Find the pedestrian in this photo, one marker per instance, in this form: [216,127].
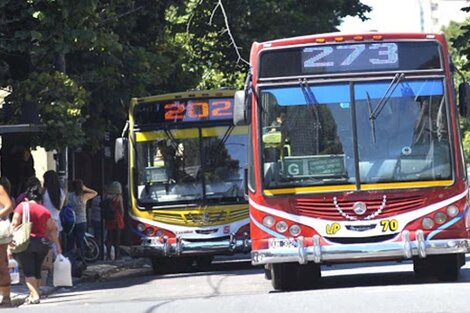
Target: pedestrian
[53,198]
[6,207]
[78,197]
[95,218]
[116,225]
[33,180]
[43,233]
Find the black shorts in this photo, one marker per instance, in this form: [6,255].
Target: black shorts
[31,259]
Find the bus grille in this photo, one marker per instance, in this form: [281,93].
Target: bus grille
[202,216]
[353,240]
[326,208]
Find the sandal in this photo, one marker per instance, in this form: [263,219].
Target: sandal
[6,303]
[28,300]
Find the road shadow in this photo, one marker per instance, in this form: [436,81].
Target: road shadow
[377,279]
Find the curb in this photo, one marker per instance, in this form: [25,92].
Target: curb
[94,272]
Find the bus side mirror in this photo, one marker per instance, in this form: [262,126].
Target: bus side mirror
[241,108]
[464,99]
[120,149]
[245,183]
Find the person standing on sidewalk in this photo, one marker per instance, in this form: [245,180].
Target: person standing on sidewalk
[43,232]
[78,198]
[53,197]
[6,207]
[116,225]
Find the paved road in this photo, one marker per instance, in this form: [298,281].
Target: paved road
[237,287]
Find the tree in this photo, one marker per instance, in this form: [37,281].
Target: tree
[106,50]
[205,28]
[458,34]
[80,62]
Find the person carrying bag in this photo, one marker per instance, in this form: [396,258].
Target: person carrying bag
[6,207]
[43,231]
[22,232]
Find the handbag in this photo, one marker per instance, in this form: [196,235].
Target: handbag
[22,233]
[5,231]
[62,274]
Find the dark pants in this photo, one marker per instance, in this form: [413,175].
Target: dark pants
[113,239]
[75,239]
[31,259]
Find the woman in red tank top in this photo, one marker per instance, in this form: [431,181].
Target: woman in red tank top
[43,232]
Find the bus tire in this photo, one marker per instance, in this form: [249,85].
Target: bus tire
[204,262]
[294,276]
[423,268]
[447,267]
[161,266]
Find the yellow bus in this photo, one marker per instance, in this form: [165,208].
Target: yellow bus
[187,167]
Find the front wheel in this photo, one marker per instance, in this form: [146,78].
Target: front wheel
[445,267]
[294,276]
[448,266]
[92,250]
[166,265]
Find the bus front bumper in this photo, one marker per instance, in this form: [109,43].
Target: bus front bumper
[285,252]
[155,247]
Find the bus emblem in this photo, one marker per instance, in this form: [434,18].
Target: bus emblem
[359,208]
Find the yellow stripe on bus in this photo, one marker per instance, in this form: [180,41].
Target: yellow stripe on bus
[339,188]
[188,133]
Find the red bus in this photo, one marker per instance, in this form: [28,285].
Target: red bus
[355,156]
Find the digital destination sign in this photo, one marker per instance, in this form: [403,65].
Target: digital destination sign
[181,111]
[350,57]
[345,58]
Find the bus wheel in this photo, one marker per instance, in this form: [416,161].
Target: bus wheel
[447,267]
[294,276]
[203,262]
[423,267]
[162,266]
[267,272]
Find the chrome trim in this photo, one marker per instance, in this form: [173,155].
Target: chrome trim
[154,246]
[404,249]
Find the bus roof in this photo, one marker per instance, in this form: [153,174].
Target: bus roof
[186,95]
[343,36]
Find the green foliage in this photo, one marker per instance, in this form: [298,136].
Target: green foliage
[94,55]
[59,101]
[201,28]
[458,34]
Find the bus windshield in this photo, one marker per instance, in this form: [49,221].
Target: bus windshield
[399,128]
[187,165]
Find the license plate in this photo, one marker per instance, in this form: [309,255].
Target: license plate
[282,243]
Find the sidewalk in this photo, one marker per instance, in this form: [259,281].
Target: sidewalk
[95,271]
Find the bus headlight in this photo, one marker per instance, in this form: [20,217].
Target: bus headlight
[268,221]
[452,210]
[440,217]
[149,231]
[294,230]
[427,223]
[281,226]
[140,227]
[159,233]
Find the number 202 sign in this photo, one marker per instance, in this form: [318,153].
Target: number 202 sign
[197,110]
[354,57]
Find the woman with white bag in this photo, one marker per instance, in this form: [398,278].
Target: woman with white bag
[6,207]
[43,232]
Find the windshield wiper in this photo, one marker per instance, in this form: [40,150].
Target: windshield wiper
[386,96]
[311,102]
[372,120]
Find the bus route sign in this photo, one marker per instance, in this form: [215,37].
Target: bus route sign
[331,165]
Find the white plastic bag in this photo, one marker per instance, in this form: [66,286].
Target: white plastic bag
[62,272]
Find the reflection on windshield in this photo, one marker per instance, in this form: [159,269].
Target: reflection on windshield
[192,164]
[308,138]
